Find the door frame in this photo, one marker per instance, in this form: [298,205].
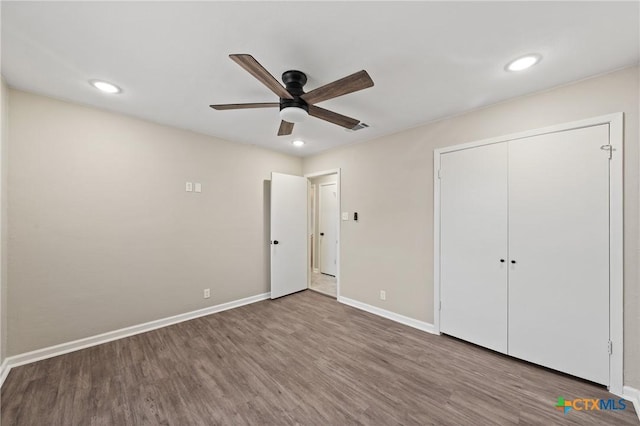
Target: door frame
[313,191]
[616,230]
[337,172]
[318,223]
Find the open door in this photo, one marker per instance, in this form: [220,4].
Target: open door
[288,234]
[328,221]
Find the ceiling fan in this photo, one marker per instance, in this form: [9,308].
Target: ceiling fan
[294,103]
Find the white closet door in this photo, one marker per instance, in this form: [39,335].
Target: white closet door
[473,235]
[559,239]
[289,259]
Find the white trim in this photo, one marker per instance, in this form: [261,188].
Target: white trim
[4,371]
[633,395]
[420,325]
[436,242]
[616,232]
[64,348]
[616,254]
[322,173]
[589,122]
[316,270]
[312,227]
[338,174]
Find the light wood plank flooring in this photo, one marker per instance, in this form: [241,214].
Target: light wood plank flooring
[303,359]
[323,283]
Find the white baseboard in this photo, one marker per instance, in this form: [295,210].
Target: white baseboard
[316,270]
[64,348]
[633,395]
[4,370]
[420,325]
[629,393]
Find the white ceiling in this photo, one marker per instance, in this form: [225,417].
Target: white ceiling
[428,60]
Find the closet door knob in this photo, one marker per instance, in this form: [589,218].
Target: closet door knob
[513,261]
[322,234]
[501,260]
[275,242]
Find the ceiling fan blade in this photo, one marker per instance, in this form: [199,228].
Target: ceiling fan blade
[254,68]
[349,84]
[286,128]
[221,107]
[333,117]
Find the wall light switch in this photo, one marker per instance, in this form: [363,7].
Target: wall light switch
[345,215]
[188,187]
[207,293]
[198,187]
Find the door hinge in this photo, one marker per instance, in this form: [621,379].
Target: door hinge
[440,305]
[608,148]
[439,174]
[610,347]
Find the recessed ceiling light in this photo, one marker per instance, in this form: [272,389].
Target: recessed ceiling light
[105,87]
[298,143]
[523,62]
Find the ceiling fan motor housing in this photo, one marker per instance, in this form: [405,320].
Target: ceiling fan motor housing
[294,81]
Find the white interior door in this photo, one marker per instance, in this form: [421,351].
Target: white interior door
[328,222]
[559,241]
[288,234]
[473,249]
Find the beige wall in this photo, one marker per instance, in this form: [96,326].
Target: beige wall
[389,181]
[4,139]
[316,232]
[102,233]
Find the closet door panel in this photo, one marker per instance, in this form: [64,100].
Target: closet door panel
[473,235]
[559,239]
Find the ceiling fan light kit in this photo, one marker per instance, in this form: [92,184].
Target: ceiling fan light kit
[295,105]
[293,114]
[294,110]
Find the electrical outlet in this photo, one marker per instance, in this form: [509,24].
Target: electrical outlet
[188,187]
[207,293]
[197,187]
[383,295]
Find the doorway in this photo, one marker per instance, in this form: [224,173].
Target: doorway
[324,232]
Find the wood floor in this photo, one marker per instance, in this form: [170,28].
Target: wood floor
[323,283]
[303,359]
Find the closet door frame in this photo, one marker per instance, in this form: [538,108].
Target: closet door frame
[616,301]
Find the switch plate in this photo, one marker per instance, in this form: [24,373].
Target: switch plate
[345,215]
[207,293]
[188,187]
[383,295]
[198,187]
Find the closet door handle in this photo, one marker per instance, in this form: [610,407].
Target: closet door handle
[513,261]
[501,260]
[276,242]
